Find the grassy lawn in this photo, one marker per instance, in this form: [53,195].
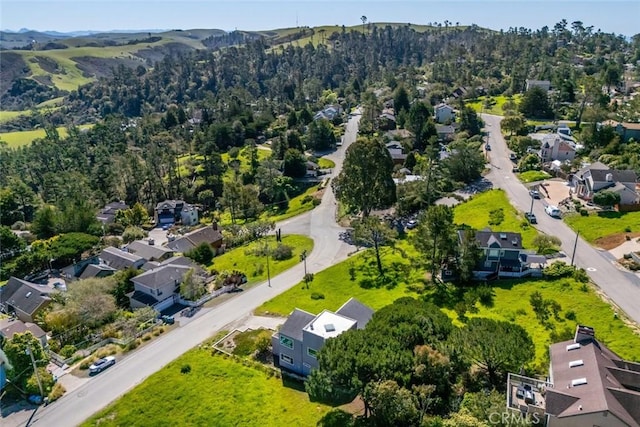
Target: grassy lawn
[5,116]
[20,138]
[475,213]
[511,303]
[255,267]
[218,391]
[246,341]
[478,104]
[297,205]
[596,226]
[325,163]
[244,159]
[533,176]
[335,286]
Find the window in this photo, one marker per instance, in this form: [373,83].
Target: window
[286,359]
[312,352]
[285,341]
[494,253]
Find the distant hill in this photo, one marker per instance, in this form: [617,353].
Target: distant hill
[37,67]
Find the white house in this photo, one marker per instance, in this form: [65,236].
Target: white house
[189,215]
[542,84]
[557,147]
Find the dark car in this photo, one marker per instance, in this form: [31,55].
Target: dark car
[531,217]
[169,320]
[513,157]
[487,147]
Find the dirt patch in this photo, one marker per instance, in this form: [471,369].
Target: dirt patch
[44,80]
[614,240]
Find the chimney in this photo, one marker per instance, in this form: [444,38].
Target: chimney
[214,226]
[584,334]
[609,177]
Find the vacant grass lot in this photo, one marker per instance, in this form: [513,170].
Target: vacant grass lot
[255,267]
[497,102]
[297,205]
[533,176]
[476,213]
[603,224]
[511,303]
[218,391]
[335,285]
[18,139]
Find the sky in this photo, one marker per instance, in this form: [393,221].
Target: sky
[620,17]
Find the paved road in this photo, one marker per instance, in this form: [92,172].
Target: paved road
[621,286]
[98,392]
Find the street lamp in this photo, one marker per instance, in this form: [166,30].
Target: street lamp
[266,245]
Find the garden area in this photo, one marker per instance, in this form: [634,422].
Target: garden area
[204,387]
[251,258]
[533,176]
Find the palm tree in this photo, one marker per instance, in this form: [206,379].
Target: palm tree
[364,21]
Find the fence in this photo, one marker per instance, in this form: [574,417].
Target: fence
[61,361]
[208,297]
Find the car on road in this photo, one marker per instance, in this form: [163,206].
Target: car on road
[487,147]
[102,364]
[513,157]
[531,217]
[534,193]
[552,211]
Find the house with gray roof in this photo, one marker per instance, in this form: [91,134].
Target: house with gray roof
[23,299]
[149,251]
[119,259]
[599,177]
[10,327]
[296,345]
[158,287]
[588,385]
[209,234]
[107,215]
[502,256]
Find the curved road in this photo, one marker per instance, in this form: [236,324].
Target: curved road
[622,286]
[96,393]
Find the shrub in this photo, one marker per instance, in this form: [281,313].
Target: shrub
[133,233]
[627,229]
[202,254]
[282,252]
[317,295]
[67,351]
[580,274]
[627,237]
[146,337]
[485,295]
[584,212]
[316,201]
[570,315]
[307,199]
[259,269]
[57,392]
[558,269]
[185,369]
[461,310]
[496,216]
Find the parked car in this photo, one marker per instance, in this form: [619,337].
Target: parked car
[534,193]
[513,157]
[515,169]
[169,320]
[102,364]
[487,147]
[411,224]
[552,211]
[531,217]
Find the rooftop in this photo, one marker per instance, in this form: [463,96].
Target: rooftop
[329,325]
[590,378]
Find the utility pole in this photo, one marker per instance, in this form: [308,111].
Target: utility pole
[303,258]
[268,271]
[531,209]
[575,246]
[35,369]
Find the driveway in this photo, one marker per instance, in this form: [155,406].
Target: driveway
[96,393]
[622,287]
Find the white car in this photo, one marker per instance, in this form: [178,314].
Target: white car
[102,364]
[552,210]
